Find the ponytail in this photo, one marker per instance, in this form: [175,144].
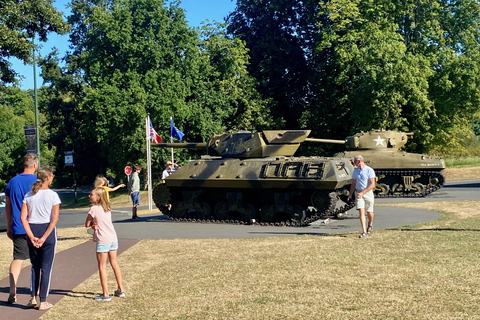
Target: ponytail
[42,175]
[36,186]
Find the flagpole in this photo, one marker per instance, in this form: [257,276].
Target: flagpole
[171,136]
[149,162]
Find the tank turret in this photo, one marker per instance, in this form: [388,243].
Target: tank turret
[251,177]
[243,145]
[399,173]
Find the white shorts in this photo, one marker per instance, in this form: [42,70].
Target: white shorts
[366,201]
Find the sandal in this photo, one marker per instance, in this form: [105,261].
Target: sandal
[363,235]
[46,306]
[32,303]
[369,229]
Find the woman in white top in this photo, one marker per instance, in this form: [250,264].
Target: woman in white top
[39,217]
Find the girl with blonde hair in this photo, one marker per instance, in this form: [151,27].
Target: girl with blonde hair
[101,181]
[100,220]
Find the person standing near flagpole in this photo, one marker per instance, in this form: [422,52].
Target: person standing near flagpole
[134,190]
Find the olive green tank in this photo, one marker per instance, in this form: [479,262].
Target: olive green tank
[399,173]
[250,177]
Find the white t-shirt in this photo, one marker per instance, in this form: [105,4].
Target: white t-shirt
[40,205]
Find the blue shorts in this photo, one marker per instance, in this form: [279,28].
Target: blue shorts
[135,198]
[105,247]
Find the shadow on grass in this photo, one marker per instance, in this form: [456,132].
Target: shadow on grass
[68,238]
[71,293]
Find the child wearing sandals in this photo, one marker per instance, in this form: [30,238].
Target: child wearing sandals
[100,220]
[39,216]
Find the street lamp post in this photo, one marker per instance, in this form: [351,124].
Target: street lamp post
[37,126]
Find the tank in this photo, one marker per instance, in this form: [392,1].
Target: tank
[399,173]
[254,177]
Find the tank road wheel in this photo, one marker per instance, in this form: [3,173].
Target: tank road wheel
[178,210]
[248,213]
[320,200]
[382,189]
[268,214]
[324,200]
[419,189]
[161,196]
[221,211]
[200,211]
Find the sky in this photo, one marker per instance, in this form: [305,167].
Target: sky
[196,11]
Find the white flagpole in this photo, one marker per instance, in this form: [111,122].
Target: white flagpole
[171,138]
[149,162]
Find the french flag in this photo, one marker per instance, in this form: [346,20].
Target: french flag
[153,134]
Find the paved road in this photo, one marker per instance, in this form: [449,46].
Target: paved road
[153,225]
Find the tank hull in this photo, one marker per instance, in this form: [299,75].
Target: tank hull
[272,190]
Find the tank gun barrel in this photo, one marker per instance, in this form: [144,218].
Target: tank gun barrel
[325,140]
[198,145]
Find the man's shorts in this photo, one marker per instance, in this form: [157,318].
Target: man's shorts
[20,247]
[136,198]
[366,201]
[106,247]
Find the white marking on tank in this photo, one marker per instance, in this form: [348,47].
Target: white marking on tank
[379,141]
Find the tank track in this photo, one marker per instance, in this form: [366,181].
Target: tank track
[188,209]
[407,183]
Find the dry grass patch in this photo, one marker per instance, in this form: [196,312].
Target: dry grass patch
[412,273]
[454,174]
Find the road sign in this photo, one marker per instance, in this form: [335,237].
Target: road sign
[128,170]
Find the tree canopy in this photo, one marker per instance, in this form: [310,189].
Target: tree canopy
[20,21]
[130,59]
[406,65]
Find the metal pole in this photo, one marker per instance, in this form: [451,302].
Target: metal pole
[37,126]
[171,136]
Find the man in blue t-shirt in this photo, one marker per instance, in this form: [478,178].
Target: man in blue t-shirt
[16,190]
[363,184]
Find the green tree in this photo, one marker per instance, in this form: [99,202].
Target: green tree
[133,58]
[20,21]
[12,143]
[406,65]
[280,37]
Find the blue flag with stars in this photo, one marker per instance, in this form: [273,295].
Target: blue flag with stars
[174,132]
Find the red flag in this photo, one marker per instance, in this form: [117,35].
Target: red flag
[153,134]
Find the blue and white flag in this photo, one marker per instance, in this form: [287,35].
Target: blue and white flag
[174,132]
